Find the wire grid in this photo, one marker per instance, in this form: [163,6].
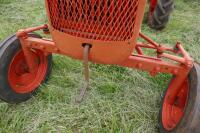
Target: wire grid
[106,20]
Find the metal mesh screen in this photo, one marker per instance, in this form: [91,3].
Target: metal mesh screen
[107,20]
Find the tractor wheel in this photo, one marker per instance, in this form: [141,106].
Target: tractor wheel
[184,115]
[159,13]
[17,84]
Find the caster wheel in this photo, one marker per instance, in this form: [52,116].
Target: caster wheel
[17,84]
[183,116]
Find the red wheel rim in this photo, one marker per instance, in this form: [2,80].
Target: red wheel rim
[173,113]
[152,7]
[20,80]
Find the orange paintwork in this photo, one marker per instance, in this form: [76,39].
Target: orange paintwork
[106,52]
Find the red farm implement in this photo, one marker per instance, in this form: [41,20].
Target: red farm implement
[104,32]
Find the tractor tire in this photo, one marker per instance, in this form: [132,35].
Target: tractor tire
[17,84]
[184,115]
[160,15]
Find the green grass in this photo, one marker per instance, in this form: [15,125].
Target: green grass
[120,99]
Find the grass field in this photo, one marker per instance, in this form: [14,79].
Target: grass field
[120,99]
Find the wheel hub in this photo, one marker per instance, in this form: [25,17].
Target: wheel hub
[21,68]
[19,77]
[173,113]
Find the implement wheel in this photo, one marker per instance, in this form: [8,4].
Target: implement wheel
[17,84]
[159,13]
[183,116]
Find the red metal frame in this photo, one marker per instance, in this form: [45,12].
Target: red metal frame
[153,65]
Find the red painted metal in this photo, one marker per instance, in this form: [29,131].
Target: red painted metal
[19,77]
[139,50]
[149,40]
[23,32]
[159,48]
[104,26]
[152,6]
[173,112]
[153,65]
[186,56]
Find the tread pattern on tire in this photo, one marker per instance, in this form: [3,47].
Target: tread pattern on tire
[161,14]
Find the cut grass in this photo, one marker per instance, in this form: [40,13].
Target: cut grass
[120,99]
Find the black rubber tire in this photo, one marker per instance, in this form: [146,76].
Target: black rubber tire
[161,14]
[8,48]
[191,118]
